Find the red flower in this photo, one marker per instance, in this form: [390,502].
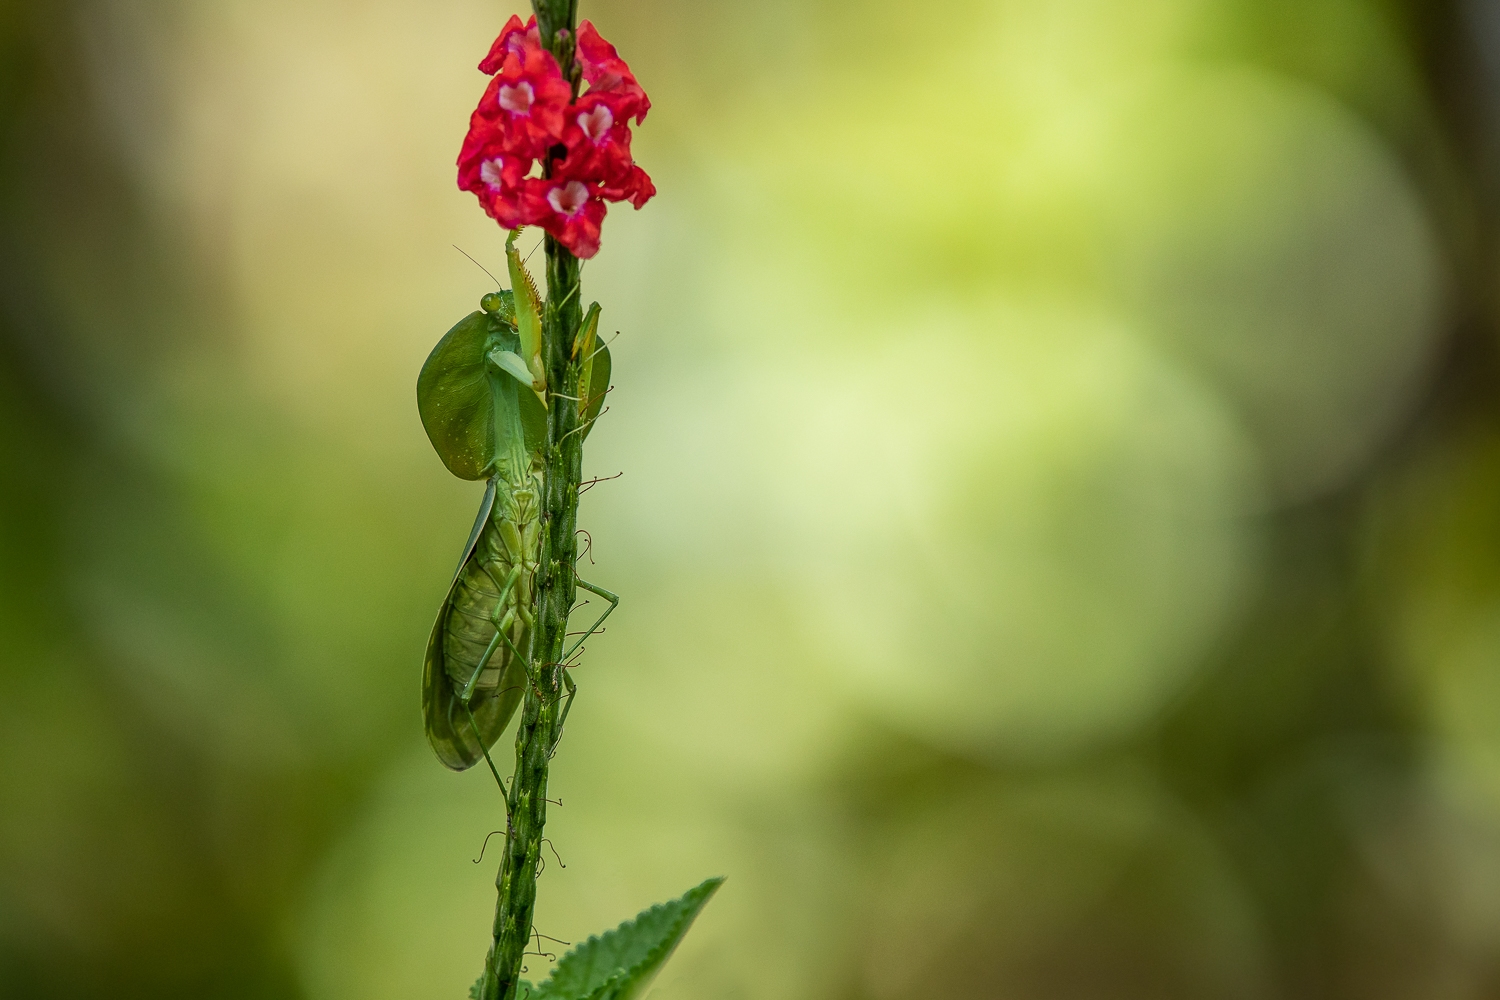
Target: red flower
[635,187]
[527,101]
[514,39]
[608,76]
[487,168]
[569,211]
[598,145]
[527,110]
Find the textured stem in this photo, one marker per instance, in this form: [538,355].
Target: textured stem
[553,16]
[555,593]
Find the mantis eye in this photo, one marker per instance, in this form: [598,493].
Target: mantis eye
[500,305]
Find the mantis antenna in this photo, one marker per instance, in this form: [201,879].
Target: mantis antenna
[479,265]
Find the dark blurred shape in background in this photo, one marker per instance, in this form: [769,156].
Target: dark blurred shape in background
[1060,536]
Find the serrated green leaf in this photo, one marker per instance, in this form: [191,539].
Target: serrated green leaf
[621,963]
[524,989]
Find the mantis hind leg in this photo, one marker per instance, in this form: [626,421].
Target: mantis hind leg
[502,632]
[504,795]
[474,727]
[467,695]
[502,625]
[614,602]
[572,687]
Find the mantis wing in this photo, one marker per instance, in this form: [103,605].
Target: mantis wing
[448,729]
[453,398]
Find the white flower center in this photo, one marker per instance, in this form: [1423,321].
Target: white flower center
[568,199]
[491,171]
[596,123]
[517,99]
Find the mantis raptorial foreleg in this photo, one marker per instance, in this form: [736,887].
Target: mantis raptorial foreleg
[614,602]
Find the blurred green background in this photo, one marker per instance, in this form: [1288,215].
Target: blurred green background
[1059,532]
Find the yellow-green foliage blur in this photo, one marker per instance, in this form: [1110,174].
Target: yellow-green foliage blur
[1059,535]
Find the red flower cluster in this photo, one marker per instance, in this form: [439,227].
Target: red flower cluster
[528,114]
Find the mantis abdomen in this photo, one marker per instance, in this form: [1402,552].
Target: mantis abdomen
[493,595]
[475,672]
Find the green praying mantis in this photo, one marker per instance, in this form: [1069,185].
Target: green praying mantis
[483,398]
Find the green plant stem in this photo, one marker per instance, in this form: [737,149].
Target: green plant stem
[553,16]
[538,731]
